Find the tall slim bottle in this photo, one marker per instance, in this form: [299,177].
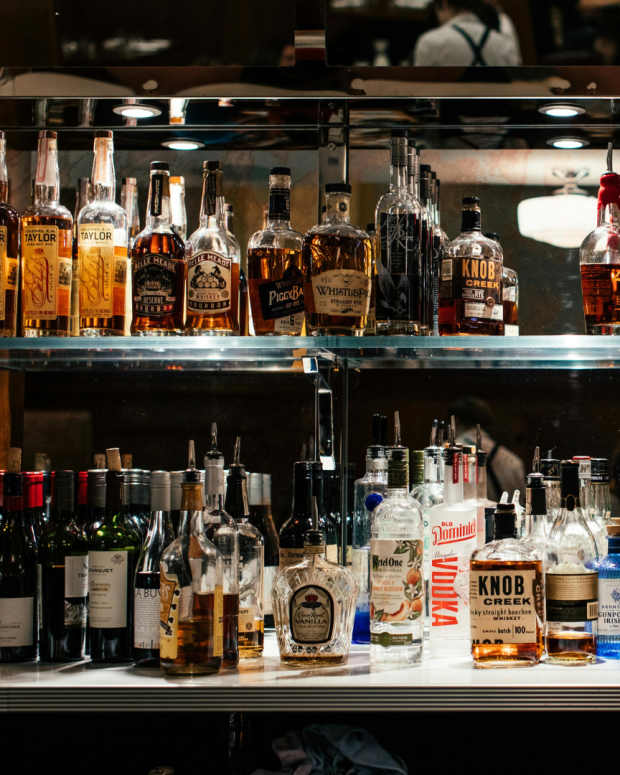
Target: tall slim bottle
[102,250]
[439,243]
[129,203]
[426,242]
[272,548]
[177,205]
[242,314]
[46,239]
[9,251]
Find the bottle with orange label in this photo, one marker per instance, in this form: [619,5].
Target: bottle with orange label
[102,251]
[46,237]
[9,251]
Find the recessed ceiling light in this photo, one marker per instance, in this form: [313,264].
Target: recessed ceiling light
[225,102]
[181,144]
[137,110]
[568,143]
[561,111]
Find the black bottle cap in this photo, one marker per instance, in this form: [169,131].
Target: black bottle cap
[505,521]
[398,467]
[550,469]
[13,484]
[536,495]
[379,429]
[280,171]
[471,201]
[481,458]
[425,169]
[569,484]
[210,166]
[64,490]
[599,467]
[338,188]
[399,133]
[160,165]
[303,469]
[96,488]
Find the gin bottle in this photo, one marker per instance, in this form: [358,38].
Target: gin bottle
[608,636]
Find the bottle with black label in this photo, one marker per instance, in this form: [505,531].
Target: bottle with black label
[158,264]
[470,288]
[63,552]
[275,271]
[571,580]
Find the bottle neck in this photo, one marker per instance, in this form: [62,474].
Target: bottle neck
[279,212]
[472,221]
[413,174]
[302,496]
[453,482]
[158,203]
[338,205]
[177,208]
[115,493]
[237,496]
[47,179]
[212,201]
[4,174]
[536,525]
[608,208]
[103,176]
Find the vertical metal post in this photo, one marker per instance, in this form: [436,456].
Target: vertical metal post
[344,461]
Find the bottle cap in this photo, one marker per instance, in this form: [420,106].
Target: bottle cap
[471,201]
[176,490]
[255,489]
[505,521]
[599,469]
[337,188]
[160,491]
[569,484]
[210,166]
[280,171]
[97,488]
[550,469]
[536,495]
[33,489]
[379,429]
[417,466]
[160,165]
[145,487]
[398,467]
[64,490]
[266,489]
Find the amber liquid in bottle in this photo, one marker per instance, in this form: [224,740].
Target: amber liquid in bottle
[600,286]
[195,640]
[220,322]
[167,318]
[251,641]
[268,265]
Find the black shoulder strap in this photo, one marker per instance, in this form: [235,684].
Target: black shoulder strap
[475,47]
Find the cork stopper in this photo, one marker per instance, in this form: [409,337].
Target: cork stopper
[127,460]
[113,456]
[99,460]
[14,463]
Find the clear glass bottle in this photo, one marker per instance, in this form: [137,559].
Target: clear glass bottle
[426,242]
[275,269]
[83,196]
[536,519]
[439,243]
[129,203]
[550,469]
[9,251]
[240,304]
[191,590]
[513,569]
[212,273]
[251,561]
[510,296]
[397,568]
[570,579]
[608,635]
[178,212]
[337,260]
[102,250]
[397,223]
[600,495]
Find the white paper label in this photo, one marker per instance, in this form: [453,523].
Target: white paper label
[510,293]
[107,589]
[270,574]
[396,583]
[344,292]
[76,575]
[16,621]
[146,618]
[608,606]
[289,323]
[510,330]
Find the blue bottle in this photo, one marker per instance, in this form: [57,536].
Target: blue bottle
[608,639]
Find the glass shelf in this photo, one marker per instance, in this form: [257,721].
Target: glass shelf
[303,354]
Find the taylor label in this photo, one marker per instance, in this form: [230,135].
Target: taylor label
[247,617]
[311,615]
[396,585]
[154,285]
[452,542]
[170,604]
[107,588]
[76,575]
[16,621]
[281,298]
[269,575]
[209,283]
[476,280]
[342,292]
[571,597]
[41,268]
[505,605]
[146,618]
[97,268]
[609,607]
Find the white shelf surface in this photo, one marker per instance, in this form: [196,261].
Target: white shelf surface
[264,685]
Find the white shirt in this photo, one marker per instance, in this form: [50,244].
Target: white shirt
[447,46]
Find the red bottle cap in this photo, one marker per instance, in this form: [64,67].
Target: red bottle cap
[33,489]
[82,493]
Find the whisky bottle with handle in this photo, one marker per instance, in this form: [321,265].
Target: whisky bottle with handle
[9,251]
[46,239]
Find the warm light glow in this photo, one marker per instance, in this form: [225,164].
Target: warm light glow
[136,110]
[568,143]
[562,220]
[561,111]
[179,144]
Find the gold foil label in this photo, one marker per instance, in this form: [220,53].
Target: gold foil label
[343,292]
[503,605]
[41,268]
[169,601]
[97,269]
[572,586]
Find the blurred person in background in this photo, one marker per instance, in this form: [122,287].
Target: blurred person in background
[471,33]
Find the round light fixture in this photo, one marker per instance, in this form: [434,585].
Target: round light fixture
[182,144]
[561,111]
[568,143]
[137,110]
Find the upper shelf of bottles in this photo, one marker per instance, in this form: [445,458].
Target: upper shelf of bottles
[305,354]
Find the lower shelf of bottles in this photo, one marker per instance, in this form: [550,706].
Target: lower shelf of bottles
[263,685]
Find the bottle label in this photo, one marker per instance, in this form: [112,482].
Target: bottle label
[452,542]
[280,203]
[609,607]
[396,581]
[331,552]
[247,618]
[16,621]
[146,618]
[311,615]
[154,285]
[281,298]
[342,292]
[571,597]
[446,269]
[107,589]
[76,575]
[477,282]
[209,283]
[510,330]
[170,604]
[505,605]
[97,267]
[290,557]
[8,271]
[510,293]
[46,252]
[291,324]
[268,578]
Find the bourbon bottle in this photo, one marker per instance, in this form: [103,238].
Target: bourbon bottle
[158,264]
[9,251]
[470,289]
[47,230]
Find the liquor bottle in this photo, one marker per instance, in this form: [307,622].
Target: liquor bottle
[600,495]
[178,213]
[373,481]
[191,639]
[9,251]
[439,243]
[137,490]
[550,469]
[570,580]
[96,494]
[397,222]
[176,497]
[371,324]
[469,462]
[326,490]
[536,519]
[426,243]
[18,573]
[608,635]
[129,203]
[314,605]
[83,196]
[293,530]
[599,259]
[268,530]
[337,260]
[510,296]
[275,270]
[251,561]
[102,250]
[453,530]
[213,276]
[240,301]
[63,552]
[506,631]
[158,265]
[146,598]
[470,294]
[221,530]
[113,547]
[397,567]
[46,240]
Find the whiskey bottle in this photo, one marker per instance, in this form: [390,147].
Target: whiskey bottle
[191,615]
[251,561]
[571,579]
[213,276]
[234,249]
[158,264]
[371,325]
[397,223]
[177,205]
[102,250]
[83,196]
[470,294]
[275,271]
[129,203]
[9,251]
[337,260]
[506,597]
[46,241]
